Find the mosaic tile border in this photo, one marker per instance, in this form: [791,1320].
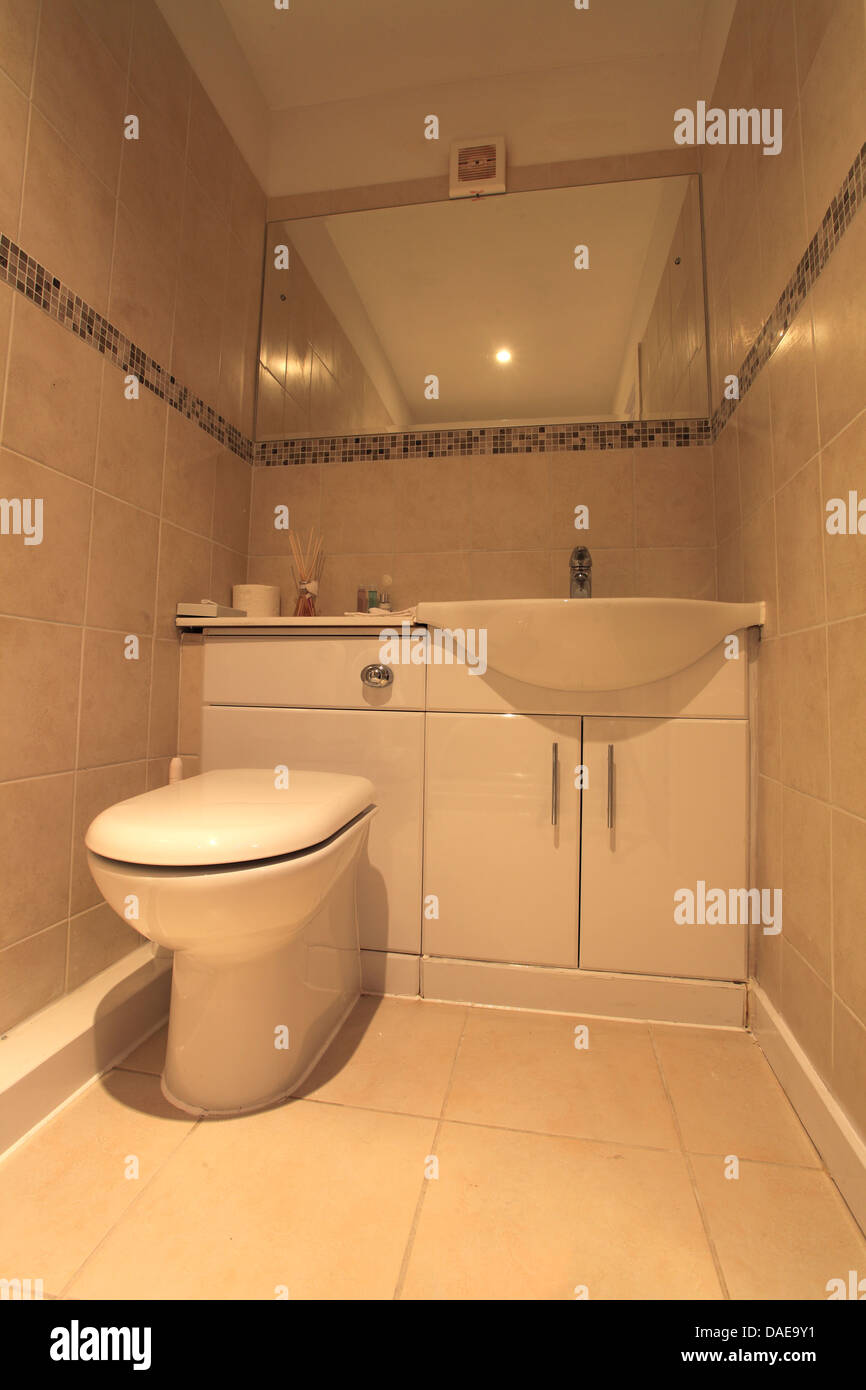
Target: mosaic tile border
[506,439]
[57,300]
[834,223]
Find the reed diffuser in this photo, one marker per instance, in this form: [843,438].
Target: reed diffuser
[307,564]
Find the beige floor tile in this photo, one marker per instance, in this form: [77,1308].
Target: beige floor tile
[727,1099]
[780,1232]
[149,1056]
[391,1054]
[316,1198]
[63,1191]
[527,1216]
[523,1071]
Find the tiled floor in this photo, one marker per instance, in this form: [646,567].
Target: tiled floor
[442,1152]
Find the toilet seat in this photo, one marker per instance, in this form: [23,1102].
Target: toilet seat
[231,816]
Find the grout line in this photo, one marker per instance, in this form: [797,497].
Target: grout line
[413,1229]
[687,1159]
[194,1125]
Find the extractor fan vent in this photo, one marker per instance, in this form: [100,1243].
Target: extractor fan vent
[477,166]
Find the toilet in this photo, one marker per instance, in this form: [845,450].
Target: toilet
[251,883]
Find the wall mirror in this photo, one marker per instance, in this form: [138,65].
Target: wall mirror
[560,305]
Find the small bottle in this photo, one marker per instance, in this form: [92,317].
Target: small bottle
[372,599]
[361,602]
[385,602]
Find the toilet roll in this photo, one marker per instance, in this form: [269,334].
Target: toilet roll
[257,600]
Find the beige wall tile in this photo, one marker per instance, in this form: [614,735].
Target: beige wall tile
[32,973]
[45,580]
[138,260]
[800,550]
[227,568]
[849,1064]
[726,479]
[806,879]
[95,790]
[76,247]
[164,693]
[807,1005]
[359,508]
[793,399]
[88,112]
[152,179]
[754,438]
[13,136]
[114,700]
[184,573]
[833,107]
[782,204]
[159,71]
[840,334]
[121,588]
[52,394]
[342,576]
[38,696]
[189,480]
[231,516]
[18,24]
[768,874]
[35,844]
[97,938]
[131,448]
[769,733]
[604,483]
[210,153]
[204,243]
[674,498]
[849,896]
[843,470]
[729,563]
[439,577]
[299,489]
[510,574]
[435,506]
[686,573]
[195,350]
[510,502]
[805,736]
[847,652]
[759,563]
[112,21]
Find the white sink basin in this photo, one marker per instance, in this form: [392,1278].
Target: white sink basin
[595,643]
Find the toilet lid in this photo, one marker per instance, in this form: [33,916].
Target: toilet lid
[228,817]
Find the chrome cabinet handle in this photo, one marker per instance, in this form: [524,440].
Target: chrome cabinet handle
[554,785]
[377,675]
[610,786]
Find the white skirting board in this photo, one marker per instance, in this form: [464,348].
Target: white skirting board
[48,1058]
[840,1145]
[713,1003]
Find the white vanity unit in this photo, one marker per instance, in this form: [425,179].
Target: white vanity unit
[534,828]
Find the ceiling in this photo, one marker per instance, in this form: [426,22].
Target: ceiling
[333,93]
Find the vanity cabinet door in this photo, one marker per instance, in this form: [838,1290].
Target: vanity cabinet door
[679,813]
[501,838]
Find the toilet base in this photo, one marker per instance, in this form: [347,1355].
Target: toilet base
[244,1033]
[279,1099]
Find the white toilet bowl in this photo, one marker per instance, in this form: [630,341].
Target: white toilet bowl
[252,886]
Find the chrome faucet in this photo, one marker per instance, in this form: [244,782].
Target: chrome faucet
[580,569]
